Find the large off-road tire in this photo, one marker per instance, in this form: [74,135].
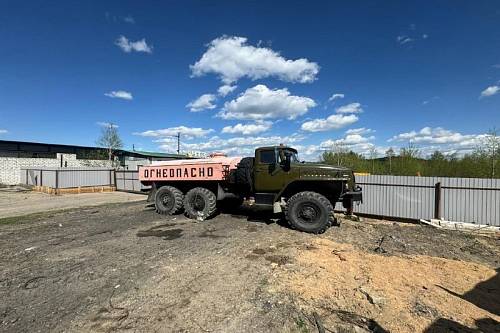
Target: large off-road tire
[243,174]
[168,200]
[200,203]
[309,212]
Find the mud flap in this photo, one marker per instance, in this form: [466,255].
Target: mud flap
[152,193]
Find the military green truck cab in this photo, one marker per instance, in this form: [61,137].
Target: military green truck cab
[305,192]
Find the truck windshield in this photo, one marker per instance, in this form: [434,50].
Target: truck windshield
[293,156]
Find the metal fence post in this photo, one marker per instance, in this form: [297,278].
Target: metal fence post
[437,200]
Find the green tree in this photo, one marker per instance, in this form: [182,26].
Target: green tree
[491,148]
[480,163]
[110,139]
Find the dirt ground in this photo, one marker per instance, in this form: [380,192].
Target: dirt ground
[122,267]
[16,201]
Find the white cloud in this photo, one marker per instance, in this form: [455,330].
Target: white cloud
[129,46]
[427,101]
[356,143]
[348,140]
[226,89]
[490,91]
[361,131]
[352,139]
[430,139]
[350,108]
[335,121]
[232,58]
[188,132]
[238,145]
[260,102]
[3,131]
[496,66]
[129,19]
[120,94]
[106,124]
[438,135]
[335,96]
[201,103]
[248,129]
[425,36]
[404,39]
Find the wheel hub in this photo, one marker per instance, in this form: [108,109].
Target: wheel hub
[198,203]
[167,200]
[308,213]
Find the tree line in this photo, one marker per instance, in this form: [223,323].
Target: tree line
[481,162]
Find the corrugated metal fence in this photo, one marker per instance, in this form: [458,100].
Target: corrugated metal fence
[68,177]
[454,199]
[128,180]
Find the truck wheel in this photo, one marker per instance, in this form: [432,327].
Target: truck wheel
[168,200]
[309,212]
[200,203]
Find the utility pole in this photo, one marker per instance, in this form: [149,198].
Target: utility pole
[390,153]
[178,137]
[178,143]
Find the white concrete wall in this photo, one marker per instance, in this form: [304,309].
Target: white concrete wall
[10,166]
[135,163]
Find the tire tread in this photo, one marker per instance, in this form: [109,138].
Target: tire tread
[179,201]
[320,198]
[212,202]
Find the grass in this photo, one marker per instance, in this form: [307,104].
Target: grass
[29,217]
[301,325]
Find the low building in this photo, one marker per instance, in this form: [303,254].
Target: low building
[133,159]
[15,155]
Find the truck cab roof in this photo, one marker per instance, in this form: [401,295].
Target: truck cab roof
[274,147]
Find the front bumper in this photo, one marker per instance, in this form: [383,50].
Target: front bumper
[352,196]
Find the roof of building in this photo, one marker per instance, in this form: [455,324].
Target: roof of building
[10,145]
[150,153]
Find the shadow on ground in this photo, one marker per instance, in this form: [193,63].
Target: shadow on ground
[485,295]
[162,231]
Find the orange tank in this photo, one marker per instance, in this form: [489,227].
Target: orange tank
[216,168]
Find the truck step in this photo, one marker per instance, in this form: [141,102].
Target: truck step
[264,198]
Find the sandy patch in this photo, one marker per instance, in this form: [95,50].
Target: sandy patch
[402,294]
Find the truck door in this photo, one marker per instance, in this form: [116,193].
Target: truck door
[286,176]
[267,176]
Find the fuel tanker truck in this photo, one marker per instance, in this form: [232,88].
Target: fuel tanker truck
[305,192]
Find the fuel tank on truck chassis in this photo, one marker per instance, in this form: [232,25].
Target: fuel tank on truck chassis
[216,168]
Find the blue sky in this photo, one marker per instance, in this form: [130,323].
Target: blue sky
[312,74]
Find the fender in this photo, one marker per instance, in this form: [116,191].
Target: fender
[311,184]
